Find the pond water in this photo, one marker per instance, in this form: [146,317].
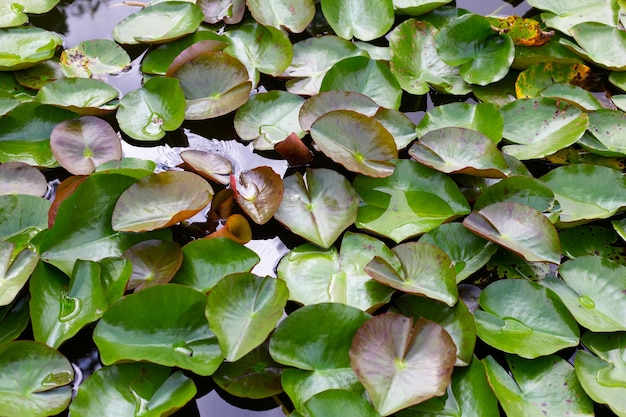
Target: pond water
[82,20]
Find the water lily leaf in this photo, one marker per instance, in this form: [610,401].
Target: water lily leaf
[21,178]
[564,16]
[41,74]
[320,209]
[207,261]
[335,402]
[523,31]
[610,348]
[620,227]
[82,229]
[417,7]
[83,96]
[25,46]
[606,125]
[586,191]
[545,386]
[412,201]
[154,262]
[22,217]
[243,310]
[467,251]
[426,270]
[533,80]
[214,84]
[34,379]
[95,58]
[259,192]
[456,320]
[292,15]
[416,64]
[131,167]
[268,118]
[212,166]
[484,56]
[14,271]
[401,363]
[524,318]
[572,94]
[552,51]
[540,127]
[235,228]
[327,101]
[398,124]
[228,11]
[368,153]
[260,48]
[482,117]
[592,289]
[350,18]
[160,200]
[316,276]
[592,240]
[168,328]
[12,14]
[460,150]
[602,44]
[312,58]
[499,93]
[14,318]
[519,228]
[80,145]
[130,388]
[7,102]
[256,375]
[366,76]
[158,23]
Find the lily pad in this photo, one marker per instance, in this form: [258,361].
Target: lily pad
[320,209]
[417,7]
[41,74]
[94,59]
[573,95]
[563,16]
[14,271]
[21,178]
[327,101]
[351,18]
[243,310]
[523,31]
[83,96]
[292,15]
[402,363]
[335,402]
[604,45]
[606,126]
[160,200]
[25,46]
[536,78]
[168,328]
[22,217]
[228,11]
[398,124]
[592,240]
[482,117]
[34,379]
[524,318]
[212,166]
[158,23]
[259,192]
[14,318]
[153,262]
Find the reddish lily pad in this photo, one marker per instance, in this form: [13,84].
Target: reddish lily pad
[259,192]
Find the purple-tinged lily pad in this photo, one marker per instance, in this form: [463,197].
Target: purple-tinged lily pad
[259,192]
[21,178]
[154,262]
[327,101]
[212,166]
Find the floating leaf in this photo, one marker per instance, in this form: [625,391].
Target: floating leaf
[41,74]
[604,45]
[591,240]
[533,80]
[351,18]
[25,46]
[21,178]
[398,124]
[236,228]
[94,59]
[401,363]
[294,151]
[22,217]
[417,7]
[14,271]
[228,11]
[320,209]
[335,402]
[212,166]
[154,262]
[259,192]
[524,32]
[572,94]
[83,96]
[14,318]
[524,318]
[606,126]
[564,16]
[482,117]
[327,101]
[293,15]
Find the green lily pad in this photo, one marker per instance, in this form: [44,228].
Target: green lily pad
[34,380]
[335,402]
[572,94]
[563,16]
[312,58]
[524,318]
[317,276]
[592,240]
[467,251]
[295,16]
[12,14]
[207,261]
[586,191]
[426,270]
[21,178]
[402,363]
[259,192]
[606,125]
[22,217]
[536,78]
[7,102]
[320,209]
[457,320]
[268,118]
[327,101]
[228,11]
[14,271]
[592,289]
[80,145]
[25,46]
[519,228]
[168,328]
[416,64]
[544,386]
[412,201]
[158,23]
[469,42]
[611,349]
[417,7]
[462,151]
[398,124]
[41,74]
[83,96]
[131,388]
[243,310]
[160,200]
[260,48]
[95,58]
[368,153]
[540,127]
[620,227]
[482,117]
[14,318]
[131,167]
[154,262]
[212,166]
[351,18]
[602,44]
[366,76]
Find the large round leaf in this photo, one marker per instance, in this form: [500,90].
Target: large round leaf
[320,209]
[132,388]
[412,201]
[82,144]
[358,142]
[94,59]
[164,324]
[84,96]
[159,22]
[160,200]
[293,15]
[243,309]
[148,112]
[401,363]
[33,380]
[352,18]
[482,117]
[26,46]
[524,318]
[21,178]
[519,228]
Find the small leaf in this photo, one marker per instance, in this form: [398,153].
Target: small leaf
[259,192]
[21,178]
[482,117]
[536,78]
[604,45]
[15,269]
[327,101]
[94,59]
[228,11]
[350,18]
[524,32]
[153,262]
[212,166]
